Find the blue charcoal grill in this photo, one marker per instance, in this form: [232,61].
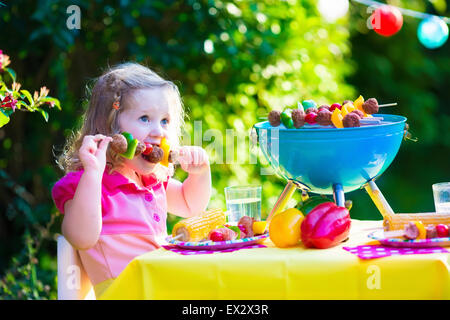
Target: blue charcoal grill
[331,160]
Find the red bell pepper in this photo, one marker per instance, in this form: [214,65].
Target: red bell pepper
[325,226]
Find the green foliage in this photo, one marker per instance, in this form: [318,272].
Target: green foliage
[24,279]
[21,281]
[13,98]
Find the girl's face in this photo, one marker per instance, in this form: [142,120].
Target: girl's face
[147,118]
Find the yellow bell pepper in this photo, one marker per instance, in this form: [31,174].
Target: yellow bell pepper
[422,230]
[259,227]
[346,109]
[336,118]
[166,148]
[351,107]
[359,102]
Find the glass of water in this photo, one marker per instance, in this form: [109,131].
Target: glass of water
[441,194]
[243,201]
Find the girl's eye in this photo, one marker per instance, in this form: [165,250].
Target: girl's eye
[165,121]
[144,118]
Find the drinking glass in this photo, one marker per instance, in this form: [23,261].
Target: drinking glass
[441,194]
[243,201]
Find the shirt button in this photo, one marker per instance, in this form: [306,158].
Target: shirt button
[148,197]
[156,217]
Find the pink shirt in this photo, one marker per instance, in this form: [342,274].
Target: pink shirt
[133,219]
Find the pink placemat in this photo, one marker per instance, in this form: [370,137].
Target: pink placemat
[192,252]
[379,251]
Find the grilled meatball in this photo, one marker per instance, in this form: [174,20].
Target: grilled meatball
[140,148]
[298,117]
[351,120]
[312,109]
[324,106]
[324,117]
[156,155]
[411,231]
[247,222]
[359,113]
[370,106]
[274,118]
[119,143]
[347,101]
[431,232]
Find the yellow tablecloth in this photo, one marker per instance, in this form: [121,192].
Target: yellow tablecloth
[294,273]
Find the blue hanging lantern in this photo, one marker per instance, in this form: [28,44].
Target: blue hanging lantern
[432,32]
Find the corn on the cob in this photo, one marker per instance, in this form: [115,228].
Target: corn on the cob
[197,228]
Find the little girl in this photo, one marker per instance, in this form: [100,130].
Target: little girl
[115,208]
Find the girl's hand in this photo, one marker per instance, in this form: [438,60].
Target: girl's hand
[92,152]
[193,159]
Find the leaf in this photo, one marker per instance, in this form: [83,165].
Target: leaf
[12,73]
[4,119]
[7,111]
[39,33]
[54,100]
[28,96]
[44,114]
[439,5]
[23,103]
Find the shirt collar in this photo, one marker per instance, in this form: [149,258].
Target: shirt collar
[116,180]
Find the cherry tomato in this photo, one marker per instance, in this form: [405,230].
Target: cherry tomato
[216,235]
[148,149]
[334,106]
[311,117]
[442,231]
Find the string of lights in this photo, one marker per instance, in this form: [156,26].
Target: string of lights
[407,12]
[387,20]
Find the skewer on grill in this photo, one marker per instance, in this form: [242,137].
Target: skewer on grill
[370,107]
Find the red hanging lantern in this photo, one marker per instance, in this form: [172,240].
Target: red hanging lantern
[386,20]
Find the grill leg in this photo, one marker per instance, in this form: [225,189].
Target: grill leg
[285,196]
[378,198]
[338,195]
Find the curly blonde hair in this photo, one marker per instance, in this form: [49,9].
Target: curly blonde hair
[115,85]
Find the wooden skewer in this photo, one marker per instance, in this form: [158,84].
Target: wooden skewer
[374,119]
[394,234]
[387,105]
[177,237]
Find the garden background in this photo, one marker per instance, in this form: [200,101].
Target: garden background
[233,61]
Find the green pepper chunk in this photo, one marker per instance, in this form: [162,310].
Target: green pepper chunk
[286,119]
[309,104]
[128,136]
[131,145]
[131,149]
[235,229]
